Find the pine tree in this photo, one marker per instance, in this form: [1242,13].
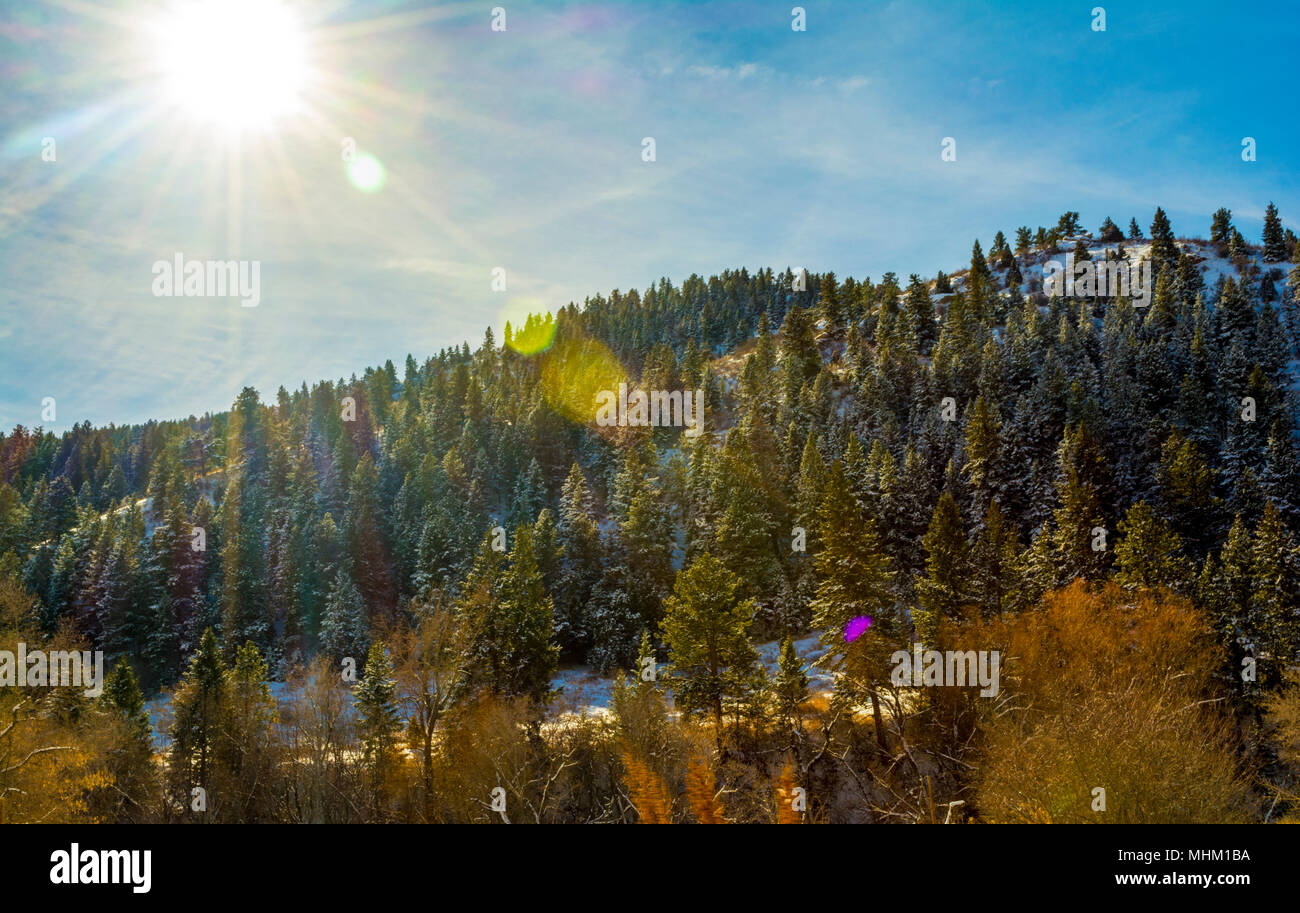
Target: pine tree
[982,440]
[706,629]
[1225,589]
[512,621]
[1274,623]
[244,593]
[790,684]
[645,536]
[1080,512]
[809,482]
[378,725]
[1109,232]
[831,308]
[246,748]
[1000,251]
[979,267]
[529,495]
[1221,227]
[1149,553]
[1275,248]
[944,590]
[1164,250]
[743,538]
[1068,225]
[1235,316]
[123,693]
[343,631]
[920,313]
[367,541]
[130,757]
[117,607]
[580,563]
[855,581]
[800,357]
[1238,249]
[1014,277]
[197,706]
[1185,493]
[612,621]
[994,564]
[1024,240]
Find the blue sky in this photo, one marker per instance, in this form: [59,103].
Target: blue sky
[522,149]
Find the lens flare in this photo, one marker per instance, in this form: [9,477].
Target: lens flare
[367,173]
[856,628]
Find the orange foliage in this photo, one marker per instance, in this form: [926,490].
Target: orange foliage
[649,794]
[785,787]
[1104,688]
[700,793]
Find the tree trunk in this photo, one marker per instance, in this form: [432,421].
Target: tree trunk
[877,720]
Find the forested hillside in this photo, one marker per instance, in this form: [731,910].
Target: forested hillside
[1108,494]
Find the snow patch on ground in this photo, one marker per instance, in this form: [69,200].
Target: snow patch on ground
[588,692]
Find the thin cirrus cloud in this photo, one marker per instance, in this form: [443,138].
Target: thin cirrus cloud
[522,150]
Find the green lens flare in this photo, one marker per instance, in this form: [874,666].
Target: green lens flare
[366,173]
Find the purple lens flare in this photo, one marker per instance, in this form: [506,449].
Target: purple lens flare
[856,628]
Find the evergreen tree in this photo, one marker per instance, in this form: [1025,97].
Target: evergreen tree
[920,312]
[245,614]
[343,631]
[979,267]
[1275,248]
[994,565]
[529,496]
[512,621]
[790,684]
[831,308]
[378,725]
[1164,250]
[706,629]
[367,541]
[1149,554]
[944,590]
[1024,240]
[1221,227]
[197,705]
[855,581]
[246,749]
[130,757]
[1074,540]
[1109,232]
[1000,251]
[800,357]
[580,563]
[1014,277]
[1273,628]
[1225,588]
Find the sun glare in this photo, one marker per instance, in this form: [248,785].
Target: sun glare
[237,63]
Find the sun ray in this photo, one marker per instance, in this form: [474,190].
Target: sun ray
[109,143]
[292,186]
[366,28]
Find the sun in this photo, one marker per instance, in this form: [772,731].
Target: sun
[233,63]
